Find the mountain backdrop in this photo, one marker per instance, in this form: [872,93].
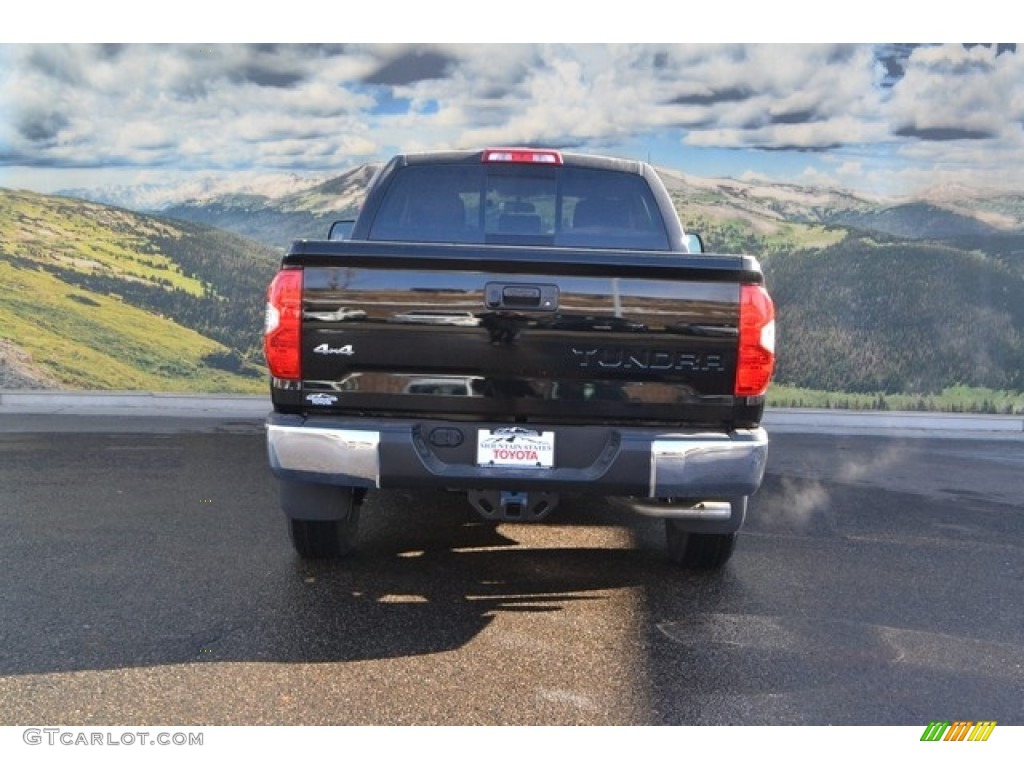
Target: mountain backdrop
[99,297]
[276,221]
[873,296]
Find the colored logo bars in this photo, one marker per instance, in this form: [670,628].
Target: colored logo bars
[961,730]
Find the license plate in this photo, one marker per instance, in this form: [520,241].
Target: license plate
[515,447]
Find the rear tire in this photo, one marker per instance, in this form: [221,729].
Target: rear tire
[704,551]
[328,539]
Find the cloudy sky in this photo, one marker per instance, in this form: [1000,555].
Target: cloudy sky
[886,119]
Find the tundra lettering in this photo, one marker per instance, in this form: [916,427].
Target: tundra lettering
[648,360]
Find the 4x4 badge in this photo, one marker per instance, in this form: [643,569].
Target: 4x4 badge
[326,349]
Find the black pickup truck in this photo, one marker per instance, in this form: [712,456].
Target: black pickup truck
[517,324]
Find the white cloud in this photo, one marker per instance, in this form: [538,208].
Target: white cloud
[317,108]
[955,92]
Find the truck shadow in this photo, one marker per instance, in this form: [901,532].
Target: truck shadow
[428,576]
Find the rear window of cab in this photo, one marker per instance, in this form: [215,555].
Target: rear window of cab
[520,204]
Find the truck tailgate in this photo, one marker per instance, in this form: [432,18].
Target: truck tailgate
[521,334]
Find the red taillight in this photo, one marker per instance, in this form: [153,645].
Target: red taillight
[282,329]
[756,359]
[548,156]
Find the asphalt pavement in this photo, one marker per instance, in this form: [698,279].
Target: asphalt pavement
[149,580]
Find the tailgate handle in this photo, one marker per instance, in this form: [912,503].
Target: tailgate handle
[543,298]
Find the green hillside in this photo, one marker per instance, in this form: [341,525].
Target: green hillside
[869,315]
[103,298]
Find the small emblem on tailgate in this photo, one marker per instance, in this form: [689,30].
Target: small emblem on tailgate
[326,349]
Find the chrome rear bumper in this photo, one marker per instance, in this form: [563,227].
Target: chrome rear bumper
[639,462]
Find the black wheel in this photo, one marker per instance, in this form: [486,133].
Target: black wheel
[698,550]
[326,539]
